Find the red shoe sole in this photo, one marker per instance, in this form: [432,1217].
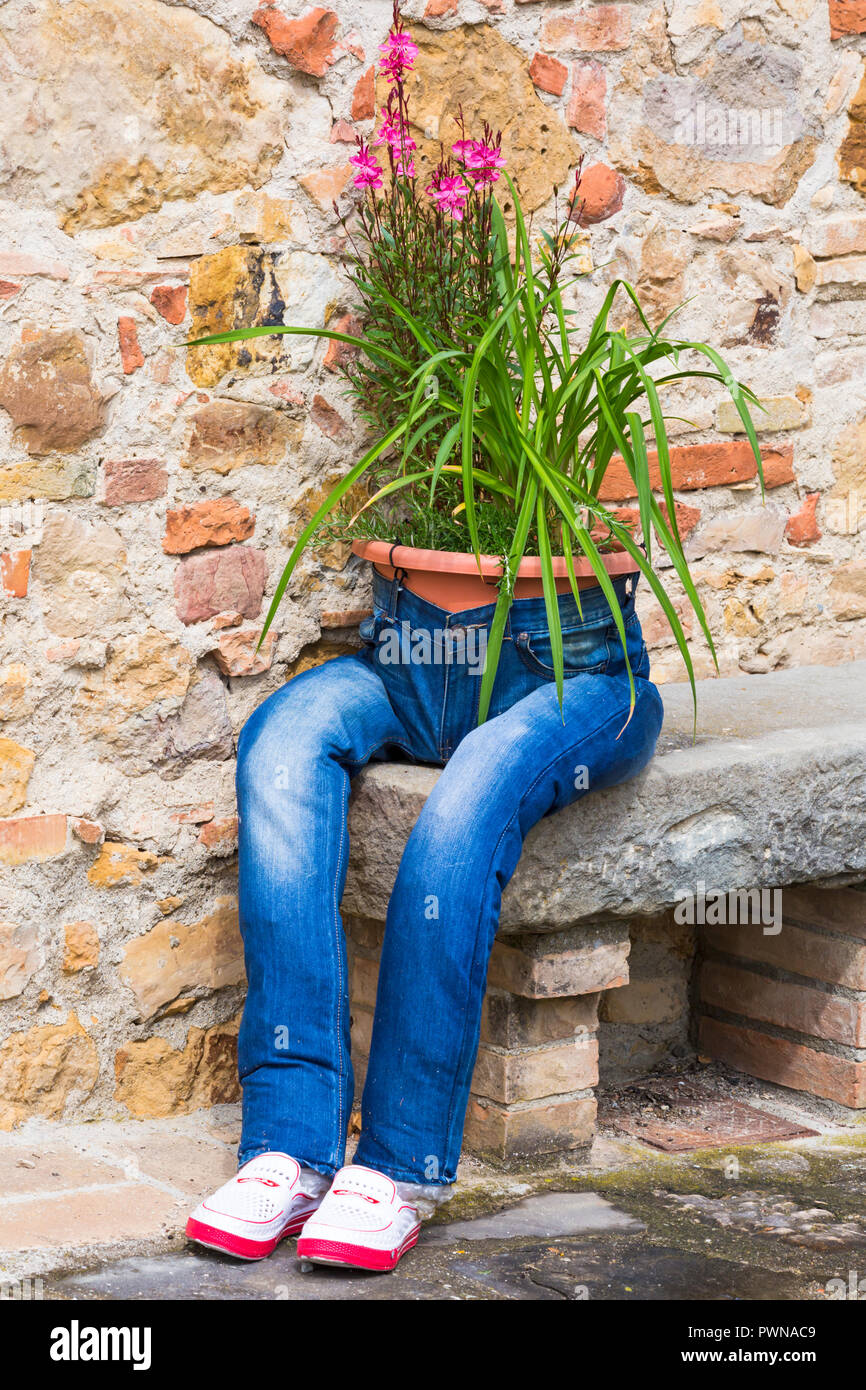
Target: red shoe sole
[227,1243]
[338,1252]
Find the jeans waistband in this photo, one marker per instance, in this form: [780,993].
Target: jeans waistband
[525,613]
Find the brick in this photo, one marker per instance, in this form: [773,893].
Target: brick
[705,465]
[307,43]
[836,909]
[238,652]
[505,1133]
[800,1008]
[550,974]
[19,263]
[325,185]
[599,195]
[647,1001]
[687,517]
[220,836]
[843,234]
[785,1063]
[802,528]
[216,581]
[586,107]
[131,355]
[134,480]
[340,355]
[329,420]
[847,17]
[170,302]
[795,949]
[217,521]
[532,1074]
[364,96]
[47,388]
[597,29]
[548,74]
[511,1020]
[27,838]
[15,573]
[343,617]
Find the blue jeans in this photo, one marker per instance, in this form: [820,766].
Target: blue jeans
[412,692]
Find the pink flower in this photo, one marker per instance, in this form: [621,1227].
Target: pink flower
[405,169]
[484,162]
[394,133]
[399,53]
[451,194]
[463,148]
[369,173]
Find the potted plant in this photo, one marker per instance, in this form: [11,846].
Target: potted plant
[495,412]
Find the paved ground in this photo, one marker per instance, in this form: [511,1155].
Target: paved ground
[97,1212]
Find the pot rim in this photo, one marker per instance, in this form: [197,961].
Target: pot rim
[464,562]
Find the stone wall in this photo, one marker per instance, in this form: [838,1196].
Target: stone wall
[169,169]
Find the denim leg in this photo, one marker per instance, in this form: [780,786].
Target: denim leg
[444,910]
[295,756]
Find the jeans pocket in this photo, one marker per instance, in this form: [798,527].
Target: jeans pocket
[584,651]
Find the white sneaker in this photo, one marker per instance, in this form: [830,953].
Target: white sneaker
[250,1214]
[363,1222]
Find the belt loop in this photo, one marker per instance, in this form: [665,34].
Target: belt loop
[396,583]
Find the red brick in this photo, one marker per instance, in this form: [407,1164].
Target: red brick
[239,653]
[847,17]
[329,420]
[15,573]
[217,521]
[586,109]
[131,355]
[344,617]
[803,952]
[548,74]
[705,465]
[802,527]
[581,970]
[8,289]
[536,1073]
[687,517]
[799,1007]
[835,909]
[341,355]
[25,838]
[170,301]
[785,1063]
[364,96]
[437,8]
[504,1133]
[307,43]
[510,1021]
[219,834]
[600,194]
[217,581]
[134,480]
[597,29]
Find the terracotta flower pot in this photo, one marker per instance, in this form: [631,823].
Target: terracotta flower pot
[450,578]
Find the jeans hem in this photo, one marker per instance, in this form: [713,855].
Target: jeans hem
[399,1175]
[326,1169]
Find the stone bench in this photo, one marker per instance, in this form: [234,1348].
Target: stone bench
[771,794]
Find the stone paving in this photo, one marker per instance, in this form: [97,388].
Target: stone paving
[96,1212]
